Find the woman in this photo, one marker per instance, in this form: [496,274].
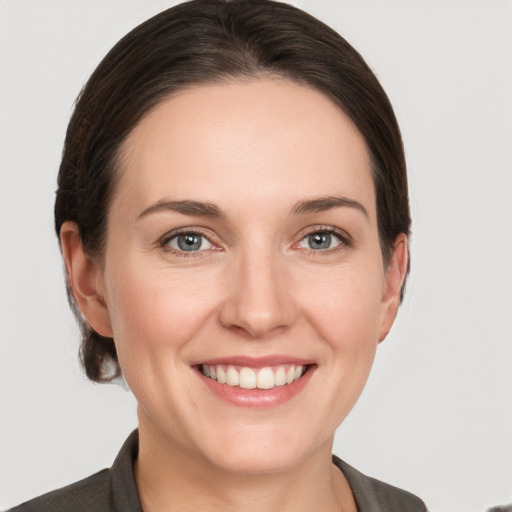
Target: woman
[233,215]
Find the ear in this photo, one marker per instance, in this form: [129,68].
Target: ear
[393,281]
[86,280]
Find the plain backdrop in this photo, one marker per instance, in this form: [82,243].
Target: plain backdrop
[436,416]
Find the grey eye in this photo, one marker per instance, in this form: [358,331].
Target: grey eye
[189,242]
[320,240]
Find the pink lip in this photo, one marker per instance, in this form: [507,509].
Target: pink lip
[256,362]
[256,398]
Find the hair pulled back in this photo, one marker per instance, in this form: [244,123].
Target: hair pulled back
[205,41]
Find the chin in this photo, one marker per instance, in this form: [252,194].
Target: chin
[267,452]
[257,464]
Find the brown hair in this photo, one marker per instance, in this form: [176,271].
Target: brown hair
[209,41]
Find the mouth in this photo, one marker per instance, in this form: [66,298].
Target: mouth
[256,382]
[247,377]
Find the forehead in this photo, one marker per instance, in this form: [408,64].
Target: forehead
[262,139]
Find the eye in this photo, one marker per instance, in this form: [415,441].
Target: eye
[320,241]
[188,242]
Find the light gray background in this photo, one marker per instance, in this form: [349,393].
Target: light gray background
[436,417]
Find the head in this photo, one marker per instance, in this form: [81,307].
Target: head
[233,172]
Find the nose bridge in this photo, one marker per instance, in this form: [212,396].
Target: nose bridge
[259,300]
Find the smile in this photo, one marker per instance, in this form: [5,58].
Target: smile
[245,377]
[259,382]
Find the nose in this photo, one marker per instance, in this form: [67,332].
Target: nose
[259,299]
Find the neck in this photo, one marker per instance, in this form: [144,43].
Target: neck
[171,479]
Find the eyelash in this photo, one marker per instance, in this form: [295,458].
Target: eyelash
[163,243]
[345,240]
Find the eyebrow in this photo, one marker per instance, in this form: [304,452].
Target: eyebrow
[322,204]
[194,208]
[201,209]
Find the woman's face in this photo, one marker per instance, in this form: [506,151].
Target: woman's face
[242,241]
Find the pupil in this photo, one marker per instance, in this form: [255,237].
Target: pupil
[320,241]
[189,242]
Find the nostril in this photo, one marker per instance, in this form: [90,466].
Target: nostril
[257,301]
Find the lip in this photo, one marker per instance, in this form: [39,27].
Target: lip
[257,398]
[256,362]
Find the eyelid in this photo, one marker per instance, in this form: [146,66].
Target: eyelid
[344,237]
[164,240]
[320,228]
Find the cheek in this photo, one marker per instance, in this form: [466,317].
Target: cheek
[151,311]
[346,315]
[345,305]
[347,318]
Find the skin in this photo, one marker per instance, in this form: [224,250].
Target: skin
[255,150]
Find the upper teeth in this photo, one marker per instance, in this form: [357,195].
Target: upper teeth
[249,378]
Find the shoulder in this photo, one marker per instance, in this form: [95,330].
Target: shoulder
[91,493]
[110,490]
[375,496]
